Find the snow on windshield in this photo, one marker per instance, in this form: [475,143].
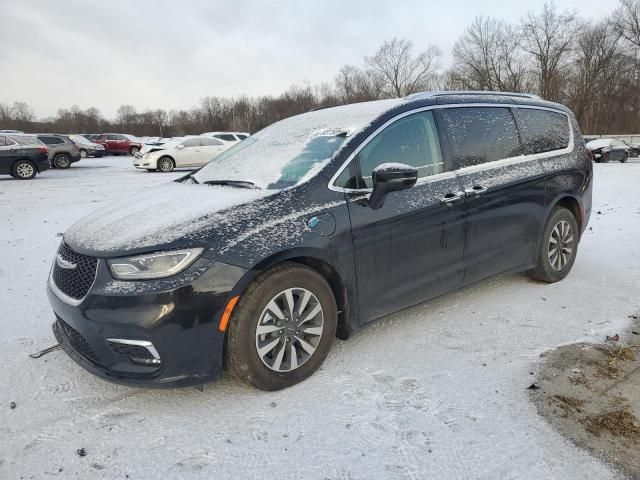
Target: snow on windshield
[287,152]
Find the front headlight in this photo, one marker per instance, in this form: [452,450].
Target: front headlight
[153,265]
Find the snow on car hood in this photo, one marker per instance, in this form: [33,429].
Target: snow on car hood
[154,218]
[596,144]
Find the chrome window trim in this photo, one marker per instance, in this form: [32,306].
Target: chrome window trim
[443,175]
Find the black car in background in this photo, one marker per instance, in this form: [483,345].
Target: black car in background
[315,226]
[22,156]
[607,149]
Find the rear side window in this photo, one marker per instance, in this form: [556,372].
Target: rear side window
[51,140]
[241,136]
[480,134]
[226,137]
[3,142]
[115,137]
[412,140]
[542,130]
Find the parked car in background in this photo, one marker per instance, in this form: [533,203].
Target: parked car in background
[11,131]
[634,148]
[233,137]
[119,143]
[320,224]
[154,145]
[90,136]
[22,156]
[86,147]
[187,152]
[62,151]
[607,149]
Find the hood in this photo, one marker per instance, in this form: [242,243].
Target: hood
[597,144]
[156,218]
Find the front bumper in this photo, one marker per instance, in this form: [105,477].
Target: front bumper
[177,316]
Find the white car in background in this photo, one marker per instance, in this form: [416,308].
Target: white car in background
[185,152]
[232,137]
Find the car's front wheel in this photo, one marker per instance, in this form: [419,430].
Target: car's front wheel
[62,161]
[558,247]
[23,170]
[83,154]
[166,164]
[133,151]
[282,327]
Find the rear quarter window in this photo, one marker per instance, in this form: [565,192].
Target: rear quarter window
[478,135]
[543,130]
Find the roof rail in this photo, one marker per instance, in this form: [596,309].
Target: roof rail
[440,93]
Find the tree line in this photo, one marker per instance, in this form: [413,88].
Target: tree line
[593,67]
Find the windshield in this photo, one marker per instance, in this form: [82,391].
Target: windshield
[293,150]
[79,139]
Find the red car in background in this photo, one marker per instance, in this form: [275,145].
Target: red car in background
[116,143]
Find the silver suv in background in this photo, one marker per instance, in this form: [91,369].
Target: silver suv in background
[62,151]
[232,137]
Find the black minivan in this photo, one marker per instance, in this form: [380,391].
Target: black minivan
[314,226]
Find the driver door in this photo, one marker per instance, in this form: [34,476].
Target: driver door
[411,249]
[189,155]
[210,148]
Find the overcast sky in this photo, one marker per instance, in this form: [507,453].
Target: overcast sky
[154,54]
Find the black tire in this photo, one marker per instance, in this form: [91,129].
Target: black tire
[24,170]
[166,164]
[133,151]
[152,169]
[624,158]
[242,348]
[604,158]
[83,153]
[62,160]
[545,271]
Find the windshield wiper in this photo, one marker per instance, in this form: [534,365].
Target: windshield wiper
[193,179]
[233,183]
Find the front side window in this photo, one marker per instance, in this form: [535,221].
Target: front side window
[191,142]
[209,142]
[479,135]
[542,130]
[115,137]
[412,140]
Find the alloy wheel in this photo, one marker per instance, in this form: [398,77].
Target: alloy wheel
[25,170]
[62,161]
[561,245]
[289,329]
[165,165]
[83,154]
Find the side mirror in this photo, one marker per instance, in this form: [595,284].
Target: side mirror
[180,147]
[390,177]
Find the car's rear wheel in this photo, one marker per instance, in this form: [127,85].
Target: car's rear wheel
[166,164]
[624,158]
[282,327]
[133,151]
[604,158]
[558,247]
[83,154]
[24,170]
[62,160]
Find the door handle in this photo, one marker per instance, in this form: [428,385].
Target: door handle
[475,190]
[450,198]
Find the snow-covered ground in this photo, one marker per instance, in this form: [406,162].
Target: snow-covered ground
[436,391]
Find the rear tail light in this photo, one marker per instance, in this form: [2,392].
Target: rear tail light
[43,149]
[589,154]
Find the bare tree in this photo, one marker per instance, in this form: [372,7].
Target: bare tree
[126,116]
[627,21]
[22,112]
[401,73]
[488,57]
[550,38]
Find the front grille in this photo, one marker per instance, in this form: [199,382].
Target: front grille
[130,351]
[74,281]
[77,341]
